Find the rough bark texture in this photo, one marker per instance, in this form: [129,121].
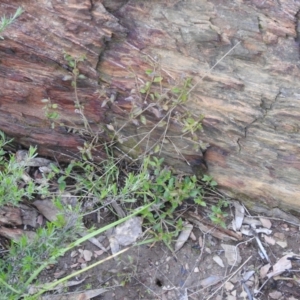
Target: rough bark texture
[250,99]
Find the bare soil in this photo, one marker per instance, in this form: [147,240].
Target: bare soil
[154,272]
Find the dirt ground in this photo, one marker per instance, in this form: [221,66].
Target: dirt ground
[199,270]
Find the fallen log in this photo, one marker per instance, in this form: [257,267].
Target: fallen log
[249,96]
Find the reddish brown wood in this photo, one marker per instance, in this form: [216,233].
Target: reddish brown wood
[33,68]
[250,98]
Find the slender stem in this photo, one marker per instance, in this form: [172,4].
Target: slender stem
[9,286]
[231,49]
[83,239]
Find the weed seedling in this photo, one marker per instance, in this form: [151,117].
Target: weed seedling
[218,215]
[5,22]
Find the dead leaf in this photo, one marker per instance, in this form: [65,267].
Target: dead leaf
[247,275]
[282,265]
[275,295]
[280,239]
[47,209]
[74,253]
[114,245]
[211,280]
[193,237]
[110,127]
[104,102]
[184,235]
[98,253]
[266,223]
[59,274]
[135,122]
[87,255]
[243,295]
[218,260]
[269,239]
[208,250]
[232,254]
[282,244]
[264,270]
[251,221]
[206,226]
[228,286]
[26,178]
[40,220]
[247,230]
[239,214]
[81,260]
[155,112]
[200,241]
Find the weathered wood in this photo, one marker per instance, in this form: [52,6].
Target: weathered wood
[33,68]
[250,98]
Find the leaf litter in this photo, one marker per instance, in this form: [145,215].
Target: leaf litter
[203,265]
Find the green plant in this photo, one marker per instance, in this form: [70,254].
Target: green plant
[152,182]
[5,22]
[79,107]
[27,259]
[12,185]
[209,181]
[51,111]
[168,191]
[218,215]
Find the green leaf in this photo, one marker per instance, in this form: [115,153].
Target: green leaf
[200,201]
[176,90]
[61,183]
[157,79]
[55,168]
[149,72]
[156,150]
[194,193]
[71,63]
[143,120]
[53,115]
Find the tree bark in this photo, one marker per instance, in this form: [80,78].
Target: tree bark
[250,96]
